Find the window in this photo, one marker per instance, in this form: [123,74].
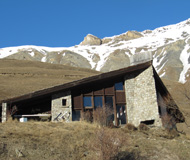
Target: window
[64,102]
[97,101]
[87,101]
[148,122]
[109,101]
[76,115]
[119,86]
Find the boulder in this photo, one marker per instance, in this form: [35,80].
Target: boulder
[91,40]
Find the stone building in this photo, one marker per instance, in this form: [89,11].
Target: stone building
[136,95]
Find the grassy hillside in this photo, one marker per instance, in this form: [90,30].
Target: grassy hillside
[81,140]
[84,141]
[18,77]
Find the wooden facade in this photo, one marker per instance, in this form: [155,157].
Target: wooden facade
[106,91]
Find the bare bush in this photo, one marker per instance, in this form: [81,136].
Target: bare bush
[143,127]
[168,122]
[130,127]
[107,143]
[11,120]
[86,116]
[103,116]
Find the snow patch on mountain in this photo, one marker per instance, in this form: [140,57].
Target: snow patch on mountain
[186,65]
[149,41]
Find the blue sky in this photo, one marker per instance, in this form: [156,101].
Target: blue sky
[64,23]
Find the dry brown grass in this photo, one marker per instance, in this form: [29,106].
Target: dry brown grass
[19,77]
[81,140]
[43,140]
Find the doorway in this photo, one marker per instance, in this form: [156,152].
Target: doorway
[121,114]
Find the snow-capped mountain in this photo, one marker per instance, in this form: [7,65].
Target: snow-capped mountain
[170,46]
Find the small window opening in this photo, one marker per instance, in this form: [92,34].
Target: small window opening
[149,122]
[64,102]
[119,86]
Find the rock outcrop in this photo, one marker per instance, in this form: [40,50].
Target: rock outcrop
[91,40]
[123,37]
[129,35]
[117,59]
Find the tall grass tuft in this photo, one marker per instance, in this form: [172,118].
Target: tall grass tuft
[107,143]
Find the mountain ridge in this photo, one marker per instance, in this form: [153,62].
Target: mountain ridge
[170,47]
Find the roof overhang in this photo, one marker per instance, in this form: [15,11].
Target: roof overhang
[71,85]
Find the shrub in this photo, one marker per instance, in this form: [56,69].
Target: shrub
[168,122]
[103,116]
[143,127]
[172,134]
[107,143]
[130,127]
[86,116]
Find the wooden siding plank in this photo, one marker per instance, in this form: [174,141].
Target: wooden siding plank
[120,97]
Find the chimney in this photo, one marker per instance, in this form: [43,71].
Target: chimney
[140,58]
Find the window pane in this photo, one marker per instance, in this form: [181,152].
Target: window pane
[119,86]
[76,115]
[109,101]
[87,101]
[98,101]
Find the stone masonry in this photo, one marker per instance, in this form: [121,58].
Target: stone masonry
[61,112]
[141,98]
[4,112]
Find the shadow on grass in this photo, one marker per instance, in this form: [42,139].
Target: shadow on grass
[125,155]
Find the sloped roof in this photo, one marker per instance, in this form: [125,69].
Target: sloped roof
[76,83]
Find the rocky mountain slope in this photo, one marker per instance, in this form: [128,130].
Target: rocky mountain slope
[170,46]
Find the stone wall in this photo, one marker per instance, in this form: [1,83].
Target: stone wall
[4,112]
[140,58]
[61,111]
[141,98]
